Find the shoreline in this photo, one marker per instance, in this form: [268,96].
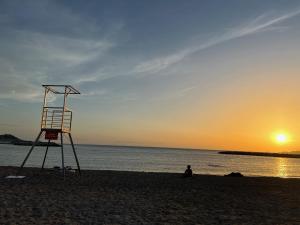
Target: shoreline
[122,197]
[74,170]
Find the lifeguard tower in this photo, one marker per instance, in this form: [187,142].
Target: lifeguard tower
[56,121]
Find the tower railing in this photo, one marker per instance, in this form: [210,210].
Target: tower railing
[56,118]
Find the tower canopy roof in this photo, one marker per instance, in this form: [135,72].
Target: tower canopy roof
[61,89]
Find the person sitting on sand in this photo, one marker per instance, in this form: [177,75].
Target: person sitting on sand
[188,172]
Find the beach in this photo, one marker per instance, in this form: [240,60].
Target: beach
[119,197]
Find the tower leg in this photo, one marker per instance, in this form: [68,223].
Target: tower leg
[45,154]
[62,154]
[32,147]
[77,162]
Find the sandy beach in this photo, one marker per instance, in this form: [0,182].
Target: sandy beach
[118,197]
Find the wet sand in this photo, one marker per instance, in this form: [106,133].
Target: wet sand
[118,197]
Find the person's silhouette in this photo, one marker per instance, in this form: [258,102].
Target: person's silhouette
[188,172]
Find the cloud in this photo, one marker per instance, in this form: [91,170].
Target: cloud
[261,23]
[94,93]
[47,51]
[175,94]
[80,50]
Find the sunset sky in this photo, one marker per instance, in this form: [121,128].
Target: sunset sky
[197,74]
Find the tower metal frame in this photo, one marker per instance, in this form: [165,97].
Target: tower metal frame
[54,121]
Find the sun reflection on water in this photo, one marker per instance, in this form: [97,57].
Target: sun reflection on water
[282,167]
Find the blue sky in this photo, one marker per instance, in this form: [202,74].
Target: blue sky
[144,68]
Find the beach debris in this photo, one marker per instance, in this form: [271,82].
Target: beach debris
[234,174]
[56,167]
[14,177]
[68,168]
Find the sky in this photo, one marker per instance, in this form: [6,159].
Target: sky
[205,74]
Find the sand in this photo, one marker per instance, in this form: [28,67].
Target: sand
[117,197]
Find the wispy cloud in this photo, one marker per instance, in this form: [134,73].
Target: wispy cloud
[175,94]
[261,23]
[56,52]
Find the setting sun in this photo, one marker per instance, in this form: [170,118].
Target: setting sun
[281,138]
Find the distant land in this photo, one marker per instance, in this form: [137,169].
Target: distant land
[11,139]
[266,154]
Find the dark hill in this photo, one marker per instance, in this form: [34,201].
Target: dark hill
[8,138]
[11,139]
[265,154]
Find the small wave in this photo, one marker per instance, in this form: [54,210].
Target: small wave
[215,165]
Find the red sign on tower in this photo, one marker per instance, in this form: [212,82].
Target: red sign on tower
[51,135]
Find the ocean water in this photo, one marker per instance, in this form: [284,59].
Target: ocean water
[95,157]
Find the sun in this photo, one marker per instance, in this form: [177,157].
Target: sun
[281,138]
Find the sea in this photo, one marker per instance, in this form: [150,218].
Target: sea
[97,157]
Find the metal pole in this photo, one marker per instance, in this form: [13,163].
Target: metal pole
[64,108]
[62,154]
[71,121]
[70,136]
[45,154]
[32,147]
[44,105]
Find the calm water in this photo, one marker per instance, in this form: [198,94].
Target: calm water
[153,160]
